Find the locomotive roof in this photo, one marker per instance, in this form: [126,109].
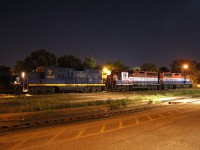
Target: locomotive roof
[42,68]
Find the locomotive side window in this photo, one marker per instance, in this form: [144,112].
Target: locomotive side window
[124,75]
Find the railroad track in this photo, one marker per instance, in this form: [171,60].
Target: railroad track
[6,126]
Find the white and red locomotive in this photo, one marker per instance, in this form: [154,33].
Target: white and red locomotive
[130,80]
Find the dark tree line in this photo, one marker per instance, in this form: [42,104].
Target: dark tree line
[177,67]
[5,76]
[7,79]
[44,58]
[193,68]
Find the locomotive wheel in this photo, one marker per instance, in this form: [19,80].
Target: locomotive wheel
[85,90]
[174,86]
[93,89]
[118,88]
[97,89]
[125,88]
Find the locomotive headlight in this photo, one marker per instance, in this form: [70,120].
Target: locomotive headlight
[105,70]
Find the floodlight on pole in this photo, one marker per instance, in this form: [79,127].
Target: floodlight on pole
[184,67]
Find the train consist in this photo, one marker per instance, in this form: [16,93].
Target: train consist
[57,79]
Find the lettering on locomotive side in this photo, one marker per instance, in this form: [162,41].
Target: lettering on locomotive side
[50,77]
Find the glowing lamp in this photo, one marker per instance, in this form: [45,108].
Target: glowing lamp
[185,66]
[108,72]
[23,74]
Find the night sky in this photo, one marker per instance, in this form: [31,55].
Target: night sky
[133,31]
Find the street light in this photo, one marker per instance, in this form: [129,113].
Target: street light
[23,75]
[23,79]
[184,67]
[24,82]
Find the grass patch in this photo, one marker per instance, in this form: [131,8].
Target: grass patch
[60,101]
[115,104]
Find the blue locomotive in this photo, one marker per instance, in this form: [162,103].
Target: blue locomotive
[59,79]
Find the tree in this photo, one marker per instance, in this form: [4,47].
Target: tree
[149,67]
[192,70]
[137,68]
[195,75]
[177,66]
[198,66]
[39,58]
[164,69]
[69,61]
[5,76]
[9,81]
[89,63]
[19,67]
[115,65]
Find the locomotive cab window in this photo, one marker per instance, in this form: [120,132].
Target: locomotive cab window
[124,75]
